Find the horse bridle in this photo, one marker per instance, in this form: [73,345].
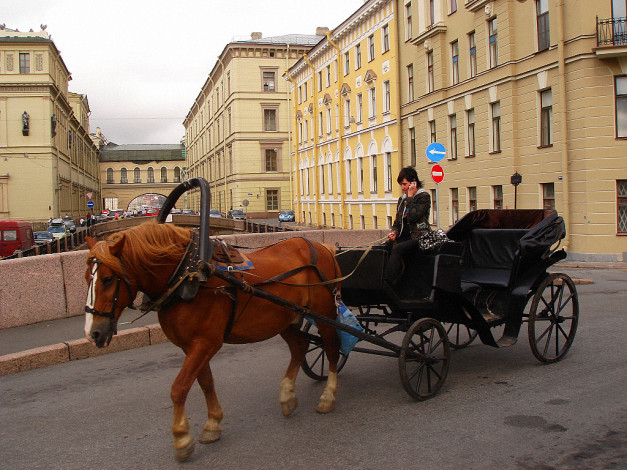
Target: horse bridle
[95,263]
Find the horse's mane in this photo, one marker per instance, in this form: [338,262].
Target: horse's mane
[146,247]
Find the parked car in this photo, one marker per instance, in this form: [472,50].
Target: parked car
[188,212]
[58,231]
[15,235]
[287,216]
[215,213]
[236,214]
[41,238]
[176,211]
[71,226]
[152,211]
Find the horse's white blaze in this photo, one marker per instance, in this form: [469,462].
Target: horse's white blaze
[91,300]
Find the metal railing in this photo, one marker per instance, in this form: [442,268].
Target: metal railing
[612,32]
[58,245]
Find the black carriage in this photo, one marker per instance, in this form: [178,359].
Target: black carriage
[494,265]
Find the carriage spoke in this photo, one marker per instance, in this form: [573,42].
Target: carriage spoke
[548,340]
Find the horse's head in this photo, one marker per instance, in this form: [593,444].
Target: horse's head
[109,292]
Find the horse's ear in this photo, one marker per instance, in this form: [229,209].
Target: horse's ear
[116,248]
[91,242]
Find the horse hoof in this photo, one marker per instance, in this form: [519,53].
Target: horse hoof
[325,406]
[289,406]
[183,453]
[209,436]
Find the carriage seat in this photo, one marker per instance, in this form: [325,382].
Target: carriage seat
[489,256]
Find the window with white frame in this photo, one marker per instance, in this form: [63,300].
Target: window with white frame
[347,112]
[349,176]
[360,174]
[321,173]
[328,120]
[431,12]
[385,46]
[410,82]
[386,96]
[432,134]
[495,112]
[320,80]
[621,106]
[412,146]
[109,175]
[164,174]
[151,175]
[548,196]
[269,81]
[359,108]
[269,120]
[544,33]
[454,205]
[546,116]
[497,196]
[330,177]
[408,26]
[470,132]
[493,42]
[347,63]
[137,178]
[371,48]
[328,76]
[357,56]
[472,198]
[373,173]
[388,167]
[472,54]
[272,199]
[320,124]
[455,61]
[372,98]
[124,176]
[430,72]
[452,119]
[452,6]
[621,206]
[271,160]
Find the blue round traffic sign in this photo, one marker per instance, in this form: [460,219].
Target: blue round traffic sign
[90,204]
[435,152]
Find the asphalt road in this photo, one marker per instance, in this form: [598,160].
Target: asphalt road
[498,408]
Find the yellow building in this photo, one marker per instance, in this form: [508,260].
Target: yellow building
[236,131]
[535,87]
[48,162]
[345,154]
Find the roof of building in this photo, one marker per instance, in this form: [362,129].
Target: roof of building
[141,153]
[292,39]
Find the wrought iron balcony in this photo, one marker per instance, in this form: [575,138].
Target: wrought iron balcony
[612,32]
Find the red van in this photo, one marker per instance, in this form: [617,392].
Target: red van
[15,235]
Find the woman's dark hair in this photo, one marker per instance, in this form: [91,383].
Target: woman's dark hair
[409,173]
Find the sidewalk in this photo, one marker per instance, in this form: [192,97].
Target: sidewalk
[57,341]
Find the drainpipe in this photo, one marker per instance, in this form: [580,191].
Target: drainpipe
[340,134]
[289,138]
[563,123]
[314,119]
[226,196]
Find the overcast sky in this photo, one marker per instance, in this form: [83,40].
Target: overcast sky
[142,63]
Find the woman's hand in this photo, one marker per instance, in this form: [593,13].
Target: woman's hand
[392,236]
[413,189]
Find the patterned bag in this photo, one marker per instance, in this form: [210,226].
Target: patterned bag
[432,240]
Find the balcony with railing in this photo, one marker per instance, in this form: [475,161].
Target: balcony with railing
[611,37]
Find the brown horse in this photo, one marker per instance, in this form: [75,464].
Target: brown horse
[144,258]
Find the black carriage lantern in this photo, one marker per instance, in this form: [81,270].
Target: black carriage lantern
[516,180]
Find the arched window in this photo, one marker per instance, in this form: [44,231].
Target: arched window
[151,174]
[123,176]
[164,174]
[109,175]
[137,176]
[177,174]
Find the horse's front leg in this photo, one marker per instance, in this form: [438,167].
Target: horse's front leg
[298,348]
[332,351]
[212,430]
[194,362]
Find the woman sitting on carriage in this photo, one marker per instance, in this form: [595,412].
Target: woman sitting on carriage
[412,220]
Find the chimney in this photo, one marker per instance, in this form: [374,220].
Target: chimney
[256,35]
[321,30]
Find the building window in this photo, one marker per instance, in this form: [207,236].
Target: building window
[177,174]
[328,120]
[300,94]
[496,126]
[164,174]
[137,176]
[470,131]
[430,74]
[360,174]
[497,196]
[434,206]
[272,199]
[408,31]
[412,145]
[455,61]
[452,119]
[472,198]
[269,81]
[320,125]
[347,112]
[24,62]
[109,175]
[357,56]
[151,175]
[621,106]
[621,205]
[347,63]
[359,110]
[269,119]
[431,12]
[373,175]
[321,167]
[546,116]
[320,80]
[473,54]
[349,176]
[328,83]
[271,160]
[454,205]
[544,34]
[432,134]
[494,52]
[373,103]
[386,96]
[388,166]
[548,196]
[370,47]
[410,82]
[453,6]
[386,38]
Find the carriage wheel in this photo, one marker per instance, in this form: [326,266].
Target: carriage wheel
[424,359]
[553,318]
[316,364]
[459,335]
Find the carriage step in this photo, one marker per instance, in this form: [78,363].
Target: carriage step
[506,341]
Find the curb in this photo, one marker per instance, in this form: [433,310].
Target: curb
[79,349]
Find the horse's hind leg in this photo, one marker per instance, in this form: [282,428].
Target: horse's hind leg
[212,430]
[298,348]
[331,349]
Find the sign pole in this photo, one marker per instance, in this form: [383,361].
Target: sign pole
[437,205]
